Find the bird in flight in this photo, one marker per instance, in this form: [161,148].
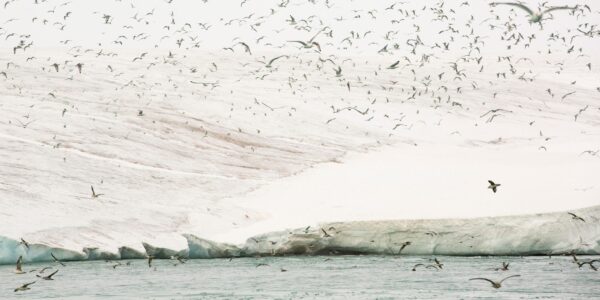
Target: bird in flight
[24,287]
[534,17]
[310,43]
[495,284]
[268,65]
[493,186]
[19,269]
[24,243]
[94,195]
[48,277]
[504,267]
[56,259]
[150,258]
[576,217]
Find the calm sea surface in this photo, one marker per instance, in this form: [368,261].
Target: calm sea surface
[342,277]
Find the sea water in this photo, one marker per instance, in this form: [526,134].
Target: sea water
[309,277]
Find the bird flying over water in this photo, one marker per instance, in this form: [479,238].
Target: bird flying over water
[48,277]
[24,287]
[18,269]
[495,284]
[56,259]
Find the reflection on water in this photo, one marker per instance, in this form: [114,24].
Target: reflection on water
[343,277]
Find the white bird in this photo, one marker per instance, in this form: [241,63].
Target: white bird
[533,16]
[495,284]
[19,269]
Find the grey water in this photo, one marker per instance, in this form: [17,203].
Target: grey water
[340,277]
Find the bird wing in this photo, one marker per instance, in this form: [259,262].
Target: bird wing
[574,215]
[301,42]
[27,284]
[274,59]
[316,35]
[481,278]
[394,64]
[558,8]
[491,182]
[511,276]
[56,259]
[519,5]
[318,46]
[19,261]
[50,276]
[93,192]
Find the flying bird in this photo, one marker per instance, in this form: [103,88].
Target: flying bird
[24,287]
[394,65]
[493,186]
[270,64]
[94,195]
[495,284]
[24,243]
[48,277]
[576,217]
[534,17]
[56,259]
[18,269]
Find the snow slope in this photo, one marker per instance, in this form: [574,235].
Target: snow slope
[193,139]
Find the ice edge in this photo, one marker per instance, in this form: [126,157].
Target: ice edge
[540,234]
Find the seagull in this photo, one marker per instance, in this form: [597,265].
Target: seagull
[19,270]
[56,259]
[150,258]
[533,16]
[591,263]
[576,217]
[23,242]
[94,195]
[495,284]
[438,263]
[394,65]
[426,266]
[48,277]
[310,43]
[504,267]
[273,60]
[262,265]
[179,258]
[493,186]
[79,66]
[338,71]
[403,245]
[24,287]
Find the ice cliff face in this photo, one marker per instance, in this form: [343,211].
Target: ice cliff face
[540,234]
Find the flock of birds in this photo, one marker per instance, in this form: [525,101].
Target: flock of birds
[435,264]
[311,53]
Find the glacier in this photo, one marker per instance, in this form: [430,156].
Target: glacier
[194,148]
[539,234]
